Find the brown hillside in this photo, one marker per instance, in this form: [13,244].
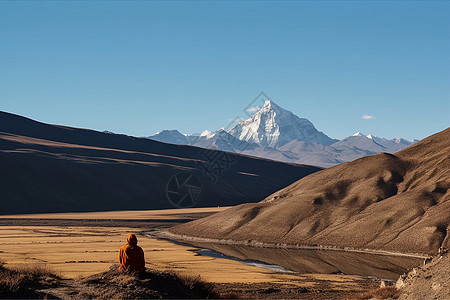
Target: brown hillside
[50,168]
[395,202]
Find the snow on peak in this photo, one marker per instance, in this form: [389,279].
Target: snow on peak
[208,134]
[369,136]
[273,126]
[359,134]
[267,103]
[270,103]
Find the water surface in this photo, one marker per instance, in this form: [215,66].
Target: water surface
[306,261]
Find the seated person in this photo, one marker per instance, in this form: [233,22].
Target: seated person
[131,256]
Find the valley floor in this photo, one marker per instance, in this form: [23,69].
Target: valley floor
[80,245]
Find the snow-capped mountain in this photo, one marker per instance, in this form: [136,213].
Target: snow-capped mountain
[276,133]
[273,126]
[361,142]
[374,143]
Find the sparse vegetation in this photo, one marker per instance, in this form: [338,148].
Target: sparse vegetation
[38,281]
[154,284]
[24,282]
[197,285]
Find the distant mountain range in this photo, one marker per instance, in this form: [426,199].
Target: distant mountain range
[276,133]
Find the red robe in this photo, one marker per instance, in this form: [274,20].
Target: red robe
[131,256]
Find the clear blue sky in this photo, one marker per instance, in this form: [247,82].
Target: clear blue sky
[140,67]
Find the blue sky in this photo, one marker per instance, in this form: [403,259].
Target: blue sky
[138,67]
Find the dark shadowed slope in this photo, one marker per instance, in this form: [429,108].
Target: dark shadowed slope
[395,202]
[49,168]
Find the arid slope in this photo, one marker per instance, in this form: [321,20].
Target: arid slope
[430,281]
[388,202]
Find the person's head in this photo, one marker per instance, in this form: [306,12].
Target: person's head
[132,240]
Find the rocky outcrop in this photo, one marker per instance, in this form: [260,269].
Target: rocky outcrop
[430,281]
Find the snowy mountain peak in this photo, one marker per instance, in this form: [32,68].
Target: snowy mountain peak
[381,140]
[369,136]
[269,104]
[404,141]
[208,134]
[273,126]
[272,107]
[359,134]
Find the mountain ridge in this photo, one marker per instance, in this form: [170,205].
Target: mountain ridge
[276,133]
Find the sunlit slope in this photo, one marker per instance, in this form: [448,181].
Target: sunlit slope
[50,168]
[395,202]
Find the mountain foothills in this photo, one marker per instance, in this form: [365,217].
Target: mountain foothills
[278,134]
[51,168]
[385,202]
